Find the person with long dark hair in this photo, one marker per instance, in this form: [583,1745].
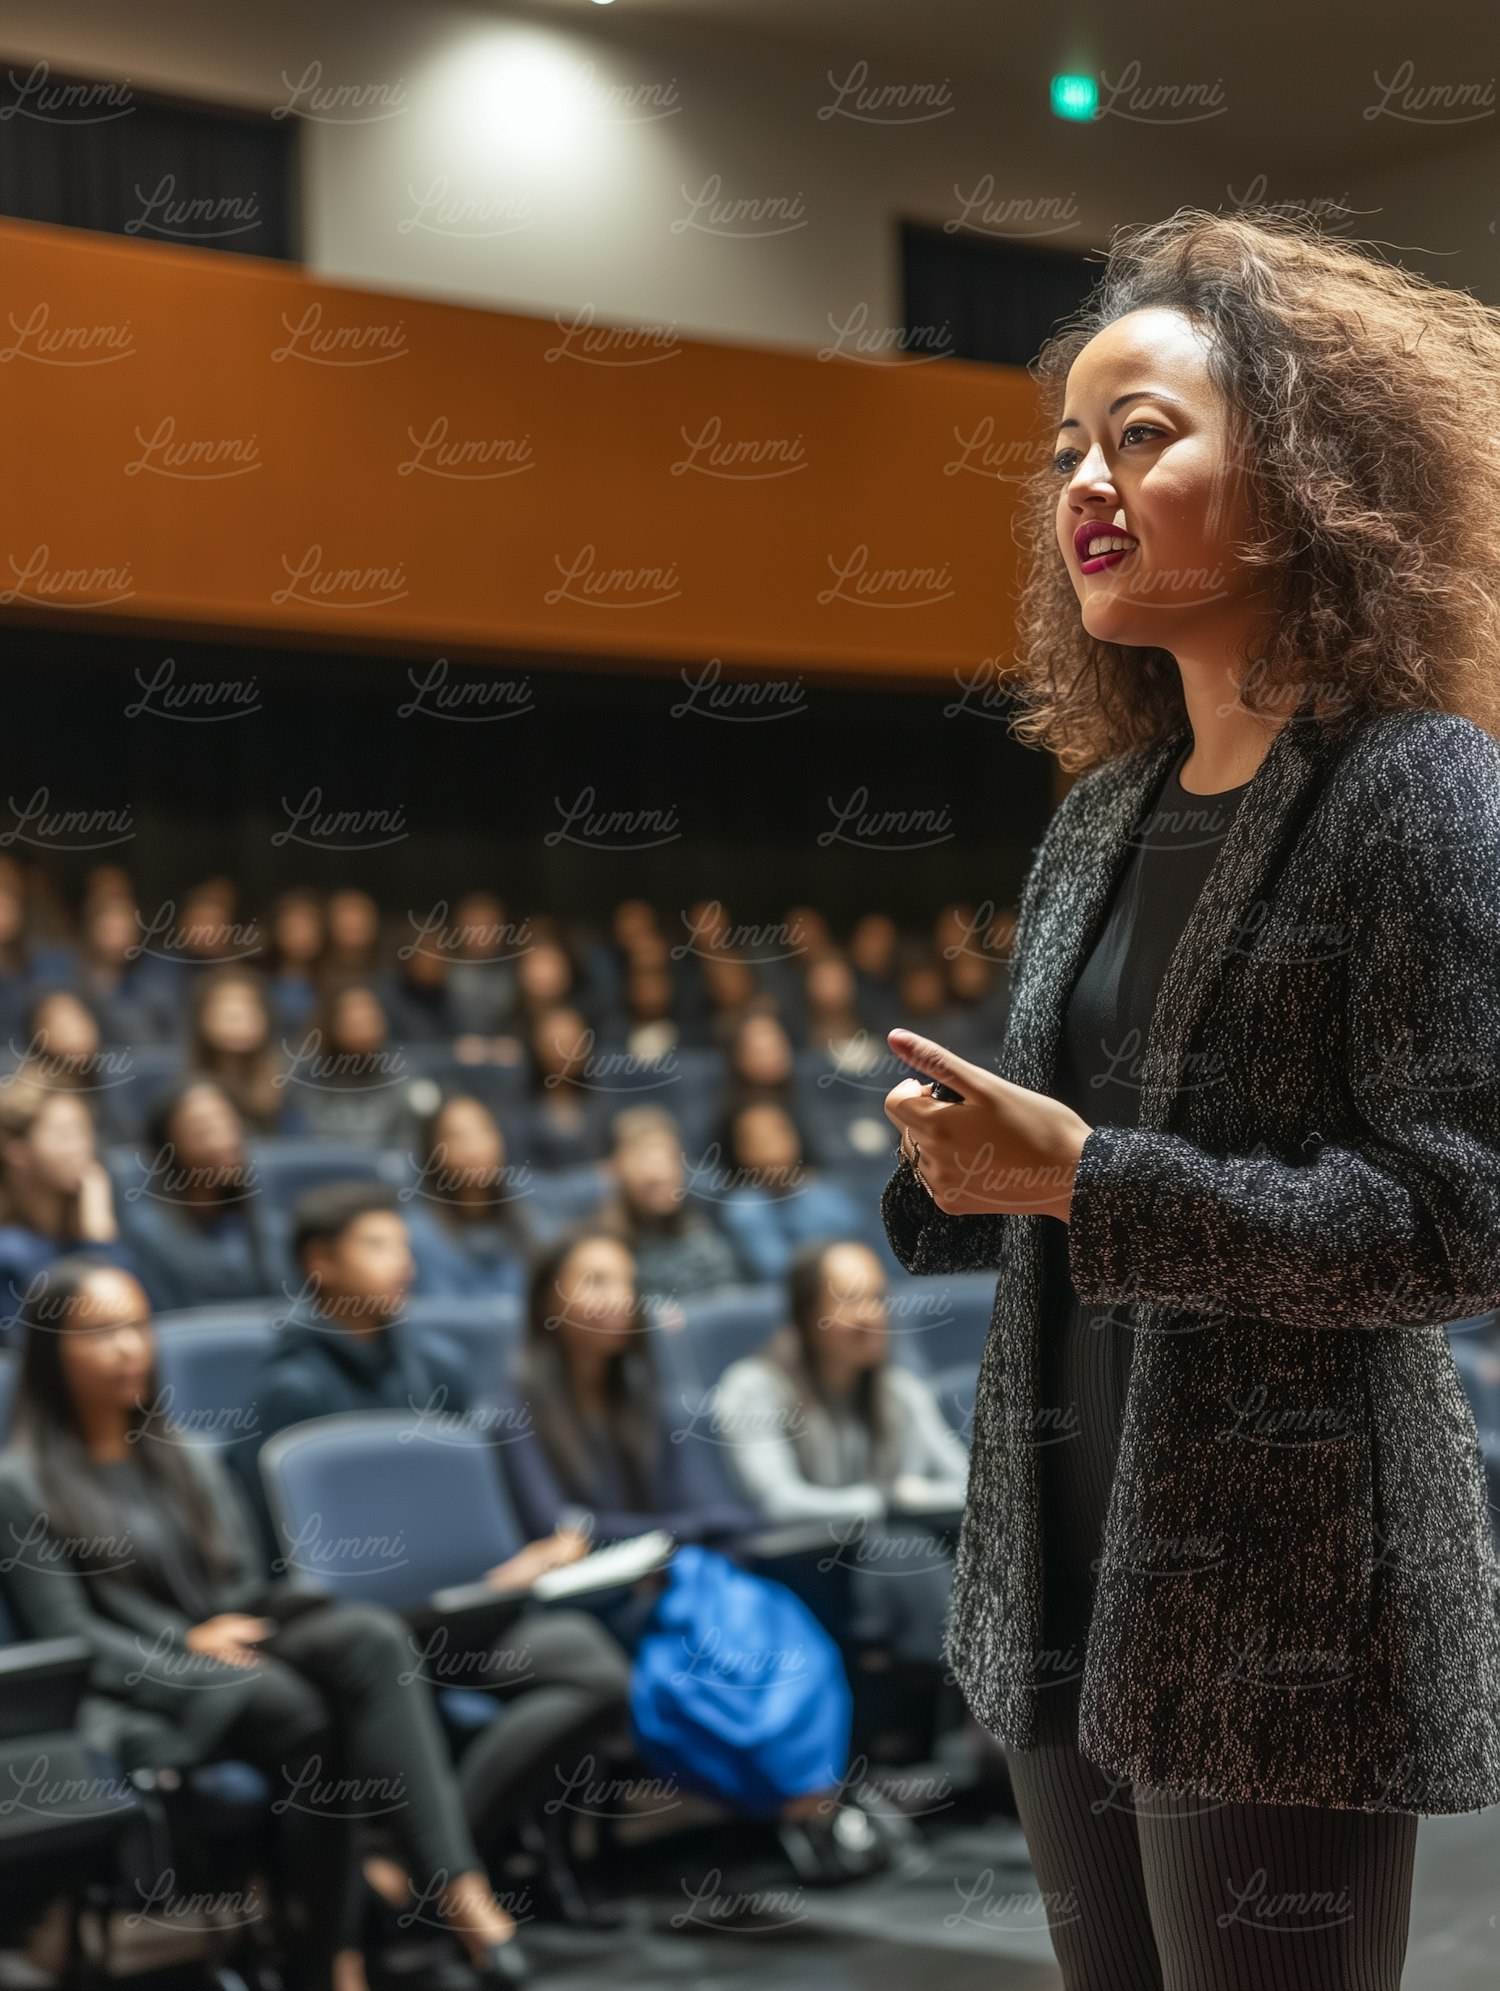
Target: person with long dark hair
[127,1534]
[1240,1160]
[187,1216]
[351,1079]
[774,1201]
[55,1193]
[293,954]
[470,1230]
[600,1435]
[605,1449]
[678,1250]
[231,1037]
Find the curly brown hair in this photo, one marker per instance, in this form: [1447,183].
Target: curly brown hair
[1364,402]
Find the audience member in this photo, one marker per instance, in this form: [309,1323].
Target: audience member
[605,1445]
[351,1082]
[418,995]
[294,957]
[348,1346]
[567,1117]
[138,1543]
[188,1220]
[483,977]
[55,1195]
[135,996]
[468,1217]
[352,928]
[231,1038]
[600,1434]
[822,1425]
[678,1252]
[774,1201]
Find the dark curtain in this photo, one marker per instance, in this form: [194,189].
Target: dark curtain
[215,768]
[998,300]
[86,154]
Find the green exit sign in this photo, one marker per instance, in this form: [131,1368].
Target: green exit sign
[1074,97]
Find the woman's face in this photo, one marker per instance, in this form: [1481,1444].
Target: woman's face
[872,945]
[544,973]
[649,1169]
[113,930]
[1147,454]
[60,1146]
[204,918]
[763,1055]
[107,1348]
[66,1030]
[766,1142]
[561,1042]
[353,921]
[851,1325]
[235,1019]
[299,931]
[358,1023]
[466,1143]
[593,1297]
[207,1135]
[923,991]
[969,976]
[830,984]
[632,918]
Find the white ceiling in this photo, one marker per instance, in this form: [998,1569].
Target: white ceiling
[1298,75]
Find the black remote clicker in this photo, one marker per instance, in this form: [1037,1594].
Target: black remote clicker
[940,1091]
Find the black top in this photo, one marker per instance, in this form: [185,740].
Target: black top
[167,1558]
[1086,1352]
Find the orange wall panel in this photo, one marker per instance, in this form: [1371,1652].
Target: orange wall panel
[212,444]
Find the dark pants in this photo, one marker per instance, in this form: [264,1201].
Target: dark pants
[348,1737]
[1148,1892]
[566,1684]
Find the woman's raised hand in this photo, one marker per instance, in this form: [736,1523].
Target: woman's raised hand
[1001,1148]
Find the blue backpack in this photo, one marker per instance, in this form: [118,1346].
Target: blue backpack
[737,1690]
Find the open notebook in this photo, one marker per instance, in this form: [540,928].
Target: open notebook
[616,1562]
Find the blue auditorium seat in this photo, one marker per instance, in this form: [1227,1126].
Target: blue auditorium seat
[390,1507]
[486,1330]
[942,1322]
[208,1368]
[698,1340]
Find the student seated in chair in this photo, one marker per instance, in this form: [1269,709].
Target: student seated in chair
[349,1347]
[124,1532]
[187,1217]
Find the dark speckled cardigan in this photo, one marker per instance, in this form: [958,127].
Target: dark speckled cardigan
[1297,1600]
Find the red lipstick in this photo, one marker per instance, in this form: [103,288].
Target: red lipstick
[1096,529]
